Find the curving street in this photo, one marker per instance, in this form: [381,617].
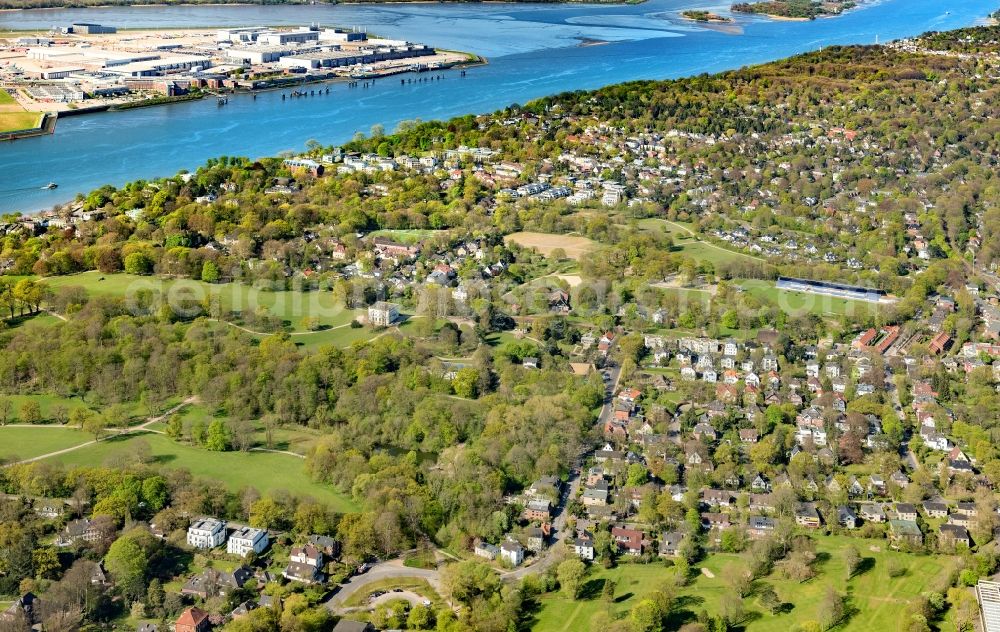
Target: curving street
[393,569]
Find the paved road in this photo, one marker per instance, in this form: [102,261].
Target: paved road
[412,597]
[560,534]
[393,569]
[897,404]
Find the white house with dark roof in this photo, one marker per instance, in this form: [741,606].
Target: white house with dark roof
[512,552]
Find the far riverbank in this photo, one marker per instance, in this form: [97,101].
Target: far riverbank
[75,4]
[533,50]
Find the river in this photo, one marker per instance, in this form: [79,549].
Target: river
[533,50]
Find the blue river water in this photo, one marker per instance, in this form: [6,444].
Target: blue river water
[533,50]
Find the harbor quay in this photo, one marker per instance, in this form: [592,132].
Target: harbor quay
[92,67]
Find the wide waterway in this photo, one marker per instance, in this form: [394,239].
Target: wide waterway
[533,50]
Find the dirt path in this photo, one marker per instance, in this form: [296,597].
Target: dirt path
[708,243]
[572,617]
[57,315]
[144,426]
[295,454]
[274,333]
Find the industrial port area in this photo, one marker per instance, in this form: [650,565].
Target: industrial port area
[92,67]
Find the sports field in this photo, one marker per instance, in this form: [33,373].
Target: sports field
[804,302]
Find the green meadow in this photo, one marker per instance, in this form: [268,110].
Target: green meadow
[874,598]
[25,443]
[802,302]
[292,306]
[265,471]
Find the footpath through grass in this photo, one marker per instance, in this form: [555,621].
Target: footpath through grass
[874,598]
[25,443]
[265,471]
[292,306]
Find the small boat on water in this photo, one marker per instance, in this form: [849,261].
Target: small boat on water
[50,185]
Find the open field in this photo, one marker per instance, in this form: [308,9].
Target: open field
[675,229]
[705,251]
[264,471]
[292,438]
[876,598]
[13,117]
[573,245]
[25,443]
[46,403]
[41,319]
[802,302]
[339,337]
[292,306]
[296,439]
[14,121]
[686,242]
[573,280]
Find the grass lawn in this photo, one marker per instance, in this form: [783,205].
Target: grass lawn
[292,306]
[688,296]
[25,443]
[13,117]
[46,403]
[655,224]
[686,243]
[262,470]
[558,614]
[802,302]
[14,121]
[704,251]
[296,439]
[340,337]
[292,438]
[41,319]
[875,598]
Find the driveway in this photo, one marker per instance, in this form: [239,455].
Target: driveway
[413,598]
[393,569]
